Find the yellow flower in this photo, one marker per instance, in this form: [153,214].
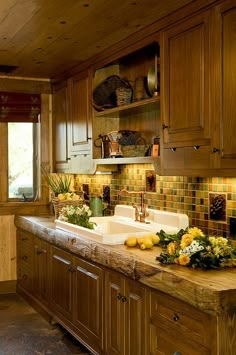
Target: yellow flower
[186,240]
[171,248]
[183,259]
[195,232]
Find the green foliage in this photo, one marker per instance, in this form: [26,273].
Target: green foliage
[58,183]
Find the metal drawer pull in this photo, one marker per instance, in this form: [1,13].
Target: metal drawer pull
[175,317]
[215,150]
[119,297]
[164,126]
[123,299]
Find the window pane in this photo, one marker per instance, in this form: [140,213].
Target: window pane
[21,160]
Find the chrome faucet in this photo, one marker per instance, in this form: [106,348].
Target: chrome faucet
[140,211]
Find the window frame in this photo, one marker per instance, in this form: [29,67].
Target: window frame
[42,205]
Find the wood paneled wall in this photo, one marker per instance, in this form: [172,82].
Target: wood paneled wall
[7,248]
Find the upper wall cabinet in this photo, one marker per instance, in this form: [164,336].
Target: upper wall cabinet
[80,132]
[185,83]
[61,127]
[126,101]
[224,86]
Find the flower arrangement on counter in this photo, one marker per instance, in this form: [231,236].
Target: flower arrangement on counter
[77,215]
[191,247]
[59,184]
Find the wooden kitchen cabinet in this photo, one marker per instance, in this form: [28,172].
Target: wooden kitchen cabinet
[41,270]
[77,289]
[185,82]
[126,313]
[61,126]
[178,328]
[81,114]
[224,87]
[61,283]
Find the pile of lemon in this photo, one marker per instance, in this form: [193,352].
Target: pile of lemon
[68,196]
[145,242]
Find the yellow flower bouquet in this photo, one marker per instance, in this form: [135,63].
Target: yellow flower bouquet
[191,247]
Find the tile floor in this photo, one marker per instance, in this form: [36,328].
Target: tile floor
[25,332]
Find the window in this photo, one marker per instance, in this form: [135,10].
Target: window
[23,160]
[19,114]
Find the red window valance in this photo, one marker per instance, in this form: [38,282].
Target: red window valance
[19,107]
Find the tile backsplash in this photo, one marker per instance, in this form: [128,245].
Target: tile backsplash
[194,196]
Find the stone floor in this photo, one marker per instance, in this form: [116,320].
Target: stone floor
[24,332]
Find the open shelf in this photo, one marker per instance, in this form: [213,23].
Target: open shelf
[129,106]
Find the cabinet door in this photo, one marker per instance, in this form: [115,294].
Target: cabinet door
[114,313]
[185,82]
[60,101]
[136,318]
[224,85]
[62,272]
[88,303]
[41,270]
[80,131]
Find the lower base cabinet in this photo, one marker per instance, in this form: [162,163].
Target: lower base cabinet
[77,297]
[126,316]
[108,312]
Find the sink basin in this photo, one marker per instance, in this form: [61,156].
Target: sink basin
[116,229]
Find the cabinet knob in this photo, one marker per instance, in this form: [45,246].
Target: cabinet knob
[119,296]
[215,150]
[25,257]
[164,126]
[38,252]
[24,239]
[25,277]
[175,317]
[123,299]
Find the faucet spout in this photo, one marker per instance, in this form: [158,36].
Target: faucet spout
[140,212]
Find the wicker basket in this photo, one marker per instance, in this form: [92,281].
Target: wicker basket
[135,150]
[59,204]
[123,95]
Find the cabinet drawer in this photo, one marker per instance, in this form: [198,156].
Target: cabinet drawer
[180,316]
[167,341]
[24,276]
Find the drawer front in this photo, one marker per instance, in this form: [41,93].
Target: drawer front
[167,341]
[24,276]
[182,317]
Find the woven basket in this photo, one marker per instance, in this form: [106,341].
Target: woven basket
[135,150]
[123,95]
[59,204]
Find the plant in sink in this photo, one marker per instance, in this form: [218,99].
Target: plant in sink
[77,215]
[191,247]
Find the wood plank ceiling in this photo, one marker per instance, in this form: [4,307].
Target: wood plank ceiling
[45,38]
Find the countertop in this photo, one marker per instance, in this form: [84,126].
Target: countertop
[213,291]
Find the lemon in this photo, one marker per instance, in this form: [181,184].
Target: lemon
[131,242]
[146,244]
[155,239]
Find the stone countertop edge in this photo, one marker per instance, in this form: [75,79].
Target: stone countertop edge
[212,291]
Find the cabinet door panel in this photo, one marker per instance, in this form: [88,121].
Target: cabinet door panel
[87,315]
[80,130]
[185,80]
[41,270]
[61,283]
[224,83]
[135,319]
[114,314]
[60,100]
